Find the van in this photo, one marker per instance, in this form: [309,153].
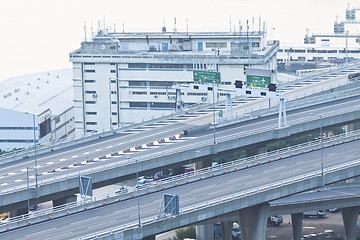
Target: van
[319,213]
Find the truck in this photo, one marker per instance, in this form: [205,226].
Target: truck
[319,213]
[275,220]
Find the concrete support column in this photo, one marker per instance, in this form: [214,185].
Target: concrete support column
[152,237]
[350,216]
[226,230]
[203,164]
[64,200]
[253,222]
[18,212]
[205,232]
[352,127]
[256,150]
[297,220]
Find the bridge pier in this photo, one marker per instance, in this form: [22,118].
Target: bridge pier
[205,232]
[226,230]
[255,150]
[350,216]
[352,127]
[152,237]
[203,163]
[253,222]
[64,200]
[18,212]
[297,220]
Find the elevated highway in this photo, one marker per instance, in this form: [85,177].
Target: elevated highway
[205,199]
[58,173]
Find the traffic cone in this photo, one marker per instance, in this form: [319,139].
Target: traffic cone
[54,169]
[124,150]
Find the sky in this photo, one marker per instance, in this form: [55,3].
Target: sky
[38,35]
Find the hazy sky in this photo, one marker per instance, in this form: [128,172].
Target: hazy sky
[38,35]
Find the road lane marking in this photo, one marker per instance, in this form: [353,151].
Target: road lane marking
[275,169]
[255,181]
[223,190]
[300,162]
[199,189]
[192,199]
[84,220]
[349,156]
[62,235]
[291,172]
[98,150]
[109,147]
[85,153]
[237,179]
[102,223]
[46,230]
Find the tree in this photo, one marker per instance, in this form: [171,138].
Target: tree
[183,233]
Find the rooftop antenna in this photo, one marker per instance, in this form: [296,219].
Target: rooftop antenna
[230,21]
[123,27]
[91,28]
[174,24]
[187,26]
[85,30]
[259,23]
[240,27]
[253,22]
[114,27]
[99,27]
[163,28]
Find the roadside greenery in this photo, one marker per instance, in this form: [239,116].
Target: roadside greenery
[188,232]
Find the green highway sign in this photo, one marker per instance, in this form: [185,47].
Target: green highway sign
[220,113]
[206,77]
[257,81]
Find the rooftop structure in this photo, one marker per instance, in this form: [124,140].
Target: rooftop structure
[126,77]
[48,96]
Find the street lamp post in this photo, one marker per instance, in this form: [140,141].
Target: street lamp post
[28,188]
[36,173]
[137,188]
[214,111]
[321,147]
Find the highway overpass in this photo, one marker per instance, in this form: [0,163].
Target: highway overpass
[202,200]
[58,173]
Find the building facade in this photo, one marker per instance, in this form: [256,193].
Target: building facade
[128,77]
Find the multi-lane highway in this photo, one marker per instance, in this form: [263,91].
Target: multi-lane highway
[125,212]
[63,162]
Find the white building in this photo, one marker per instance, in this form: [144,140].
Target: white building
[126,77]
[48,96]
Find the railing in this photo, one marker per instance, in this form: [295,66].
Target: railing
[182,149]
[206,173]
[70,140]
[221,200]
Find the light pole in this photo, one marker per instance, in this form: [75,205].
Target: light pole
[28,188]
[214,110]
[321,147]
[36,174]
[137,188]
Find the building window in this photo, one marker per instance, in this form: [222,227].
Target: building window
[90,81]
[255,44]
[112,64]
[90,92]
[91,123]
[226,83]
[112,71]
[137,83]
[113,92]
[216,44]
[196,94]
[91,113]
[90,102]
[113,102]
[161,83]
[162,105]
[157,93]
[89,70]
[137,93]
[89,63]
[138,104]
[136,65]
[114,113]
